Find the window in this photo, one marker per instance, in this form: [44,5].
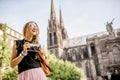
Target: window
[50,35]
[85,53]
[73,55]
[92,45]
[55,38]
[102,45]
[116,54]
[8,30]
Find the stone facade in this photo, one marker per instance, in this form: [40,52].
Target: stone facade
[94,53]
[12,34]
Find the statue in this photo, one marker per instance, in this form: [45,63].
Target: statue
[109,27]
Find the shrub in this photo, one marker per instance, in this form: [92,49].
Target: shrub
[11,74]
[64,70]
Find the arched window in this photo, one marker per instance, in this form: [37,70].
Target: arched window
[73,54]
[85,53]
[70,55]
[55,38]
[50,35]
[116,54]
[92,45]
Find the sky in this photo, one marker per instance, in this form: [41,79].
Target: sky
[81,17]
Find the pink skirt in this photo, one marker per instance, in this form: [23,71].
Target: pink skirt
[32,74]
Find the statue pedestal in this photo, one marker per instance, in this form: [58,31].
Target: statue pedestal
[111,37]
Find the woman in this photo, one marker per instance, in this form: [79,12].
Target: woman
[24,55]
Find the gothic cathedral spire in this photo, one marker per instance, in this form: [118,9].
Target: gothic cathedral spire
[53,16]
[61,20]
[63,30]
[53,19]
[54,37]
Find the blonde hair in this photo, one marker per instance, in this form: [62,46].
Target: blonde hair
[35,37]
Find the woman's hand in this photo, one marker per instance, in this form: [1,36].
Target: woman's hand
[41,51]
[25,47]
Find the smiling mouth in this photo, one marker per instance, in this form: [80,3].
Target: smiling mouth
[34,31]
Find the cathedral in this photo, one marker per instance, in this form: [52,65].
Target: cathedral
[95,53]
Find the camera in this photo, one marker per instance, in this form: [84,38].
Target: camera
[34,47]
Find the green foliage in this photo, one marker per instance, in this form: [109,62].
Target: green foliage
[4,51]
[3,44]
[64,70]
[11,74]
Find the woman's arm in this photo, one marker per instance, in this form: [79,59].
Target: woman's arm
[15,60]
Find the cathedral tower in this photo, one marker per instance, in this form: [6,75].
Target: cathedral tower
[63,30]
[55,33]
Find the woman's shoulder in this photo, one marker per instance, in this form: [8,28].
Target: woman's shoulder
[19,42]
[17,39]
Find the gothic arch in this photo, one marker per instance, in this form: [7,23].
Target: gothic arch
[73,54]
[50,35]
[116,53]
[85,53]
[116,46]
[69,55]
[93,50]
[55,38]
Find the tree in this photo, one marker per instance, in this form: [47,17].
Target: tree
[64,70]
[4,50]
[3,44]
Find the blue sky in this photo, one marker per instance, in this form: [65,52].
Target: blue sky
[81,17]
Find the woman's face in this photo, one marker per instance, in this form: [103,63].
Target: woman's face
[32,29]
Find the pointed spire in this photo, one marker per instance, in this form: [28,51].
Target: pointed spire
[53,16]
[61,19]
[63,30]
[53,19]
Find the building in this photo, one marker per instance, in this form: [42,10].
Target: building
[94,52]
[12,34]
